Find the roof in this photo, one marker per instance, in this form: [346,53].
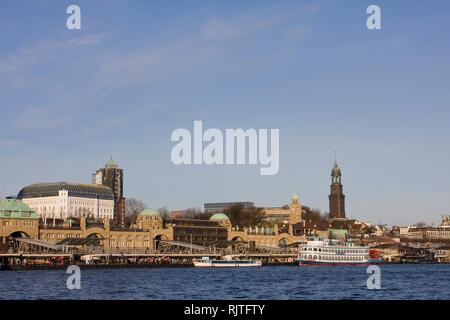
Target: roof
[219,216]
[15,208]
[111,163]
[295,196]
[336,171]
[52,189]
[149,212]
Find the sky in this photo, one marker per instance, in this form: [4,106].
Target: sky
[138,70]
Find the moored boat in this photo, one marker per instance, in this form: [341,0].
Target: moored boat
[228,262]
[325,252]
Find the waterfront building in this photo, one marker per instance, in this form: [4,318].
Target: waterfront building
[223,206]
[111,176]
[63,200]
[146,234]
[439,233]
[201,232]
[336,197]
[16,220]
[310,229]
[425,234]
[286,215]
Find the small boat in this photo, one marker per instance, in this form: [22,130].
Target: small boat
[325,252]
[226,263]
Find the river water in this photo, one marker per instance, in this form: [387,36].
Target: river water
[265,283]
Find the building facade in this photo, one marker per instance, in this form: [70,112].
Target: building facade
[112,177]
[291,214]
[199,232]
[223,206]
[17,220]
[63,200]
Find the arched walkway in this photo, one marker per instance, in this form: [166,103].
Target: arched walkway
[19,234]
[157,239]
[282,243]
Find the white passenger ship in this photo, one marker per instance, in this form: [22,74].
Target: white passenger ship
[228,262]
[324,252]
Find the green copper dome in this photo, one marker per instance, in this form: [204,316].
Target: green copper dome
[336,171]
[149,212]
[111,163]
[295,196]
[219,216]
[15,208]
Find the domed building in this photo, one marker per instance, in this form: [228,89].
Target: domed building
[62,200]
[16,220]
[221,218]
[149,218]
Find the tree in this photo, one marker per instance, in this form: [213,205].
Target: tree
[245,217]
[132,209]
[420,224]
[165,215]
[315,215]
[196,213]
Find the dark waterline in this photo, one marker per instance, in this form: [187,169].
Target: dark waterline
[265,283]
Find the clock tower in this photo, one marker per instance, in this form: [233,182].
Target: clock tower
[336,197]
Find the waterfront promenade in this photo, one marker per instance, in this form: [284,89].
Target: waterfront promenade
[125,260]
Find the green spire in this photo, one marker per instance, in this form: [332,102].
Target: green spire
[111,163]
[336,171]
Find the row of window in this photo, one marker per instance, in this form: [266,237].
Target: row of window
[24,214]
[334,258]
[333,250]
[129,244]
[17,224]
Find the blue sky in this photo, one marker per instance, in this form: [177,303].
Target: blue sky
[137,70]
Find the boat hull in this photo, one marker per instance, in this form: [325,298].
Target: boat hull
[328,264]
[226,265]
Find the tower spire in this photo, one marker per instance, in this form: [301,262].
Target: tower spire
[336,197]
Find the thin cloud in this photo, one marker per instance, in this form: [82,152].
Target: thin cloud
[15,67]
[41,118]
[160,61]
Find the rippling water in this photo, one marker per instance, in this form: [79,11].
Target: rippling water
[397,282]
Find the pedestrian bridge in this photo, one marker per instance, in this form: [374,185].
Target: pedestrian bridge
[37,245]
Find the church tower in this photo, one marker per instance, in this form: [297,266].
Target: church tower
[336,197]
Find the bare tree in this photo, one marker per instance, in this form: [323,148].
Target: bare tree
[132,209]
[165,215]
[420,224]
[192,213]
[240,216]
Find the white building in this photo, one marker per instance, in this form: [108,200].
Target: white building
[64,200]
